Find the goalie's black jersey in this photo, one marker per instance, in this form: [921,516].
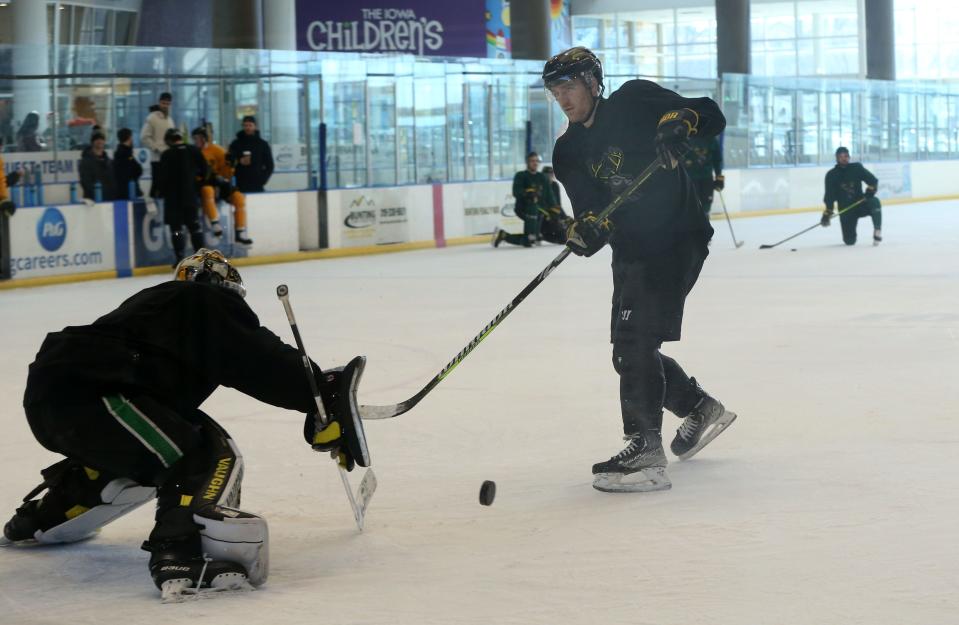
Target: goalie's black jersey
[595,164]
[177,341]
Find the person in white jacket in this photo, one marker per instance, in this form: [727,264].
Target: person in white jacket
[151,135]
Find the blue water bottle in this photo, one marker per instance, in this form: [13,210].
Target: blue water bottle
[73,193]
[132,191]
[98,192]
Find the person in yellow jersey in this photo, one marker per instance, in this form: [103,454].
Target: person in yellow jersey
[219,180]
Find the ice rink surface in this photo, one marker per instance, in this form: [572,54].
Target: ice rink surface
[832,500]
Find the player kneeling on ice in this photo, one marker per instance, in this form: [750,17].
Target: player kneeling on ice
[119,398]
[658,243]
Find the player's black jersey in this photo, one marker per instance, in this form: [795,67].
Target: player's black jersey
[844,184]
[177,341]
[595,164]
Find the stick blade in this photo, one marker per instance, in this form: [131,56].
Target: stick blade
[766,247]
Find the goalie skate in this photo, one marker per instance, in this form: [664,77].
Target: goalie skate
[210,582]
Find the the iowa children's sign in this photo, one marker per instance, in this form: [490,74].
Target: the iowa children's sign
[420,27]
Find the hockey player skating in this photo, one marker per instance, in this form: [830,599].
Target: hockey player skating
[844,185]
[119,398]
[659,243]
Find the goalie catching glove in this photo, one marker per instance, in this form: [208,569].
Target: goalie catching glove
[587,234]
[343,434]
[674,128]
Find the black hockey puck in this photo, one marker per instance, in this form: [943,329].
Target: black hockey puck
[487,492]
[793,250]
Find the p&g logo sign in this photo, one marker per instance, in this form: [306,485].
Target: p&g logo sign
[52,229]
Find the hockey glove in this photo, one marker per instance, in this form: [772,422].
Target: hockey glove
[719,183]
[329,438]
[338,389]
[672,132]
[826,216]
[8,208]
[870,191]
[587,235]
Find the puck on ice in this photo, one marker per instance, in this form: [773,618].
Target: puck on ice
[487,492]
[793,250]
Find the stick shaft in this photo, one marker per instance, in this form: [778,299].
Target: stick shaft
[851,206]
[322,419]
[385,412]
[729,221]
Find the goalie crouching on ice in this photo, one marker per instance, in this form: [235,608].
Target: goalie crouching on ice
[119,398]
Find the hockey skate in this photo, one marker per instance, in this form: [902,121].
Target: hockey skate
[706,421]
[876,236]
[215,550]
[640,467]
[79,501]
[181,576]
[498,236]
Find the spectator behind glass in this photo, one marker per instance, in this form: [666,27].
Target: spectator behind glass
[96,167]
[181,167]
[157,123]
[28,138]
[126,169]
[252,157]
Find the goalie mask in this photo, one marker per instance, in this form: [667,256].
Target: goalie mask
[211,267]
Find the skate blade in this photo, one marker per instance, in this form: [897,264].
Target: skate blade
[717,428]
[181,590]
[644,481]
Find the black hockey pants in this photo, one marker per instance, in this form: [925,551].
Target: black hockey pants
[848,220]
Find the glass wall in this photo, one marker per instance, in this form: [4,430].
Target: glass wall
[926,42]
[801,121]
[657,42]
[380,121]
[805,38]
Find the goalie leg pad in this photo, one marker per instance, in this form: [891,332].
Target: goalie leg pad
[232,535]
[79,501]
[120,496]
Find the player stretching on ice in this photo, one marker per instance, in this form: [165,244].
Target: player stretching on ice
[119,398]
[844,185]
[659,245]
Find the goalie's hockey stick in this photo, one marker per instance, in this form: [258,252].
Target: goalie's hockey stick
[364,493]
[386,412]
[768,246]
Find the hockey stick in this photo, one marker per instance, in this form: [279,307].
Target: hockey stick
[767,246]
[387,412]
[729,221]
[368,484]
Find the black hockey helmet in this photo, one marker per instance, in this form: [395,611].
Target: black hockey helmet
[578,62]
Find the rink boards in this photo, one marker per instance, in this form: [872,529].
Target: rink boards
[116,238]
